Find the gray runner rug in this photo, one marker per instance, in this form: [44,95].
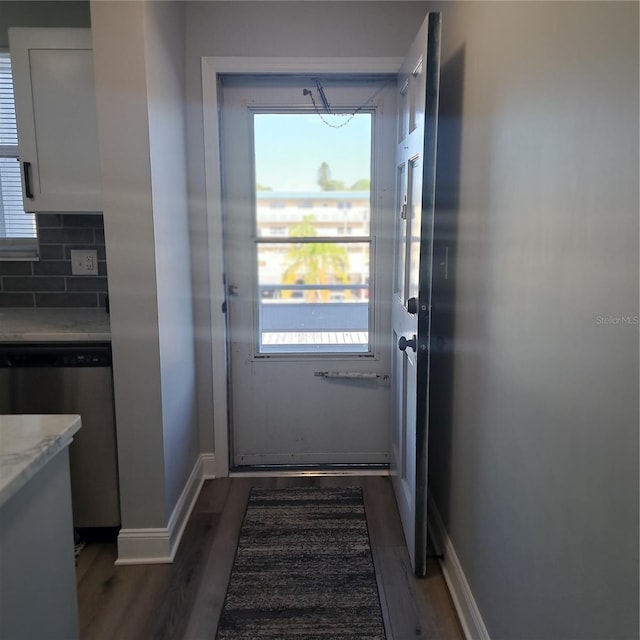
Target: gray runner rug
[303,569]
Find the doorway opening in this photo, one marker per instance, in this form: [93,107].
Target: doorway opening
[308,187]
[412,143]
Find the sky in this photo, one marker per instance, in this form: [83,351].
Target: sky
[291,147]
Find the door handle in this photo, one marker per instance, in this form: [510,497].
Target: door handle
[403,343]
[412,306]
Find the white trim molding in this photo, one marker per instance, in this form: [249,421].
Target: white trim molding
[213,204]
[159,545]
[211,67]
[463,600]
[144,546]
[208,466]
[304,65]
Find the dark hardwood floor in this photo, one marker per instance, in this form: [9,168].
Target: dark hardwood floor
[184,599]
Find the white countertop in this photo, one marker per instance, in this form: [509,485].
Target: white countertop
[54,325]
[27,443]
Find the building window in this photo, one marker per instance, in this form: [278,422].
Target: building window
[18,236]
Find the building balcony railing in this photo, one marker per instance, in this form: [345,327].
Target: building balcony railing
[299,325]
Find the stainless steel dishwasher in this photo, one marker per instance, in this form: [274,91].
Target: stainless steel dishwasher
[71,378]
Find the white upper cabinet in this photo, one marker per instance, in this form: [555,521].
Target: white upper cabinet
[56,118]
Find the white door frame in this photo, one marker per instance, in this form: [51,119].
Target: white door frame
[211,67]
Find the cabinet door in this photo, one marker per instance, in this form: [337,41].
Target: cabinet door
[56,118]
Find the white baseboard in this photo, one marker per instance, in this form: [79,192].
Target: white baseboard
[463,600]
[208,465]
[144,546]
[159,545]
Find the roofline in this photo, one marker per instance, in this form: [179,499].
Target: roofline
[313,195]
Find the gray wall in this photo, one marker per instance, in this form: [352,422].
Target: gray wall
[164,33]
[534,432]
[123,135]
[138,50]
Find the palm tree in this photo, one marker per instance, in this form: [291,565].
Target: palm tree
[314,262]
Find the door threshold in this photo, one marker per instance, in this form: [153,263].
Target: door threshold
[307,471]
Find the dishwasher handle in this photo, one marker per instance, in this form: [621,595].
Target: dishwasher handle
[54,355]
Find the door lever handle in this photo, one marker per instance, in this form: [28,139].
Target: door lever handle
[403,343]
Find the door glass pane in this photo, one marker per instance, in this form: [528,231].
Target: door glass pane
[400,235]
[403,108]
[416,97]
[313,180]
[313,297]
[415,228]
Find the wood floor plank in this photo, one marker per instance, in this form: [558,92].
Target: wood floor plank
[89,555]
[177,600]
[380,502]
[212,496]
[115,603]
[184,600]
[95,575]
[210,598]
[143,597]
[402,618]
[437,611]
[410,602]
[154,600]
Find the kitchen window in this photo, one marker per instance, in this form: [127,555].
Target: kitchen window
[18,235]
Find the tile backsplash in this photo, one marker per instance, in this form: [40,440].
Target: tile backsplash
[48,282]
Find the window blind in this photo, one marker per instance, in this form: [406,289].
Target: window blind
[17,228]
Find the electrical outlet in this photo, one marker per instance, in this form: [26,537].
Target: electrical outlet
[84,262]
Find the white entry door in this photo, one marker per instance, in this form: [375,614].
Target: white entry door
[308,223]
[411,307]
